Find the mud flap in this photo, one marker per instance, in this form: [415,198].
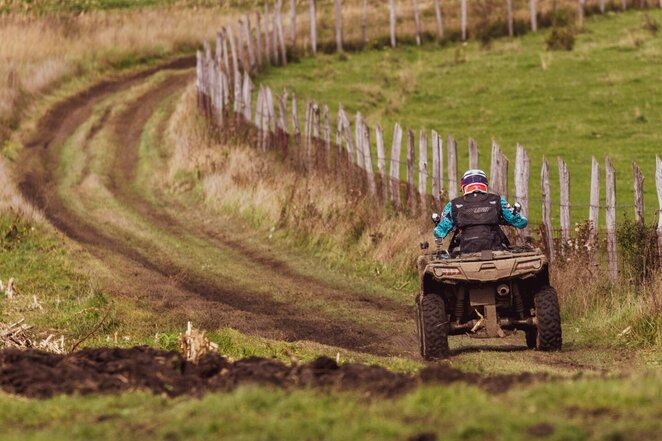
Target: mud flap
[491,326]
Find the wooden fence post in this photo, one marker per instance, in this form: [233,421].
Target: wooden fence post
[494,167]
[534,15]
[473,154]
[411,205]
[564,185]
[463,19]
[658,185]
[395,166]
[522,172]
[293,23]
[364,24]
[610,177]
[274,38]
[367,151]
[392,21]
[452,168]
[638,193]
[440,22]
[437,169]
[602,6]
[594,207]
[233,51]
[279,28]
[580,13]
[296,130]
[624,5]
[511,27]
[423,169]
[547,210]
[248,93]
[258,39]
[249,41]
[417,21]
[240,47]
[381,161]
[339,39]
[358,132]
[327,136]
[503,175]
[258,116]
[284,136]
[268,47]
[198,80]
[313,25]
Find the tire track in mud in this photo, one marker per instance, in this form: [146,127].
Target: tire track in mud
[247,311]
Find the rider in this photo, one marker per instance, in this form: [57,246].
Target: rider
[476,216]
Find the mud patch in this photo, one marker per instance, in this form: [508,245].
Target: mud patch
[38,374]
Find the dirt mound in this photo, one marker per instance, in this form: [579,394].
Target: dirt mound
[39,374]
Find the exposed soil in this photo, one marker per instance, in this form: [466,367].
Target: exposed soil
[39,374]
[163,285]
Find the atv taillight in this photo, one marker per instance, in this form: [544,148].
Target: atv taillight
[531,264]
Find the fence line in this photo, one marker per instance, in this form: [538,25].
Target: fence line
[225,91]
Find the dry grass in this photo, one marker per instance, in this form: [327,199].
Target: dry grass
[37,53]
[11,200]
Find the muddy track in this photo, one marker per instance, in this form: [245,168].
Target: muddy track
[160,283]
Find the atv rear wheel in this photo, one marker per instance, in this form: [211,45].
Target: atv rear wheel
[432,326]
[548,335]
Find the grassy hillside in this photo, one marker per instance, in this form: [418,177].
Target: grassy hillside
[602,98]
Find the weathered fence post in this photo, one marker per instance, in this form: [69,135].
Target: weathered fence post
[547,210]
[198,80]
[624,4]
[417,21]
[411,205]
[381,162]
[437,168]
[440,21]
[339,39]
[602,6]
[248,93]
[392,21]
[511,27]
[395,166]
[367,151]
[364,24]
[495,181]
[258,117]
[564,185]
[249,41]
[293,23]
[534,15]
[240,47]
[594,208]
[473,154]
[268,47]
[313,25]
[463,19]
[452,168]
[423,169]
[258,40]
[580,13]
[610,177]
[327,136]
[296,130]
[358,132]
[658,185]
[503,174]
[279,29]
[638,193]
[522,172]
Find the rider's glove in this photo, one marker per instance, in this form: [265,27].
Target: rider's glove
[436,218]
[517,207]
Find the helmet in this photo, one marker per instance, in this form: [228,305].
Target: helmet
[474,180]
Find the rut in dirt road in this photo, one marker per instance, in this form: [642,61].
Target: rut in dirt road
[250,312]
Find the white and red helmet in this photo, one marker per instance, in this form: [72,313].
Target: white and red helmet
[474,180]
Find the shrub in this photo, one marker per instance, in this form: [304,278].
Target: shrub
[650,24]
[560,39]
[638,245]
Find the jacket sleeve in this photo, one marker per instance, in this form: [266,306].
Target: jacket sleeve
[446,224]
[514,219]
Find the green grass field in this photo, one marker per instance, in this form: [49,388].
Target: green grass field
[602,98]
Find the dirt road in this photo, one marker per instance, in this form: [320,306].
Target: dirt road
[156,257]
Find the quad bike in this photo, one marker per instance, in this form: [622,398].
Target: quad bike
[488,294]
